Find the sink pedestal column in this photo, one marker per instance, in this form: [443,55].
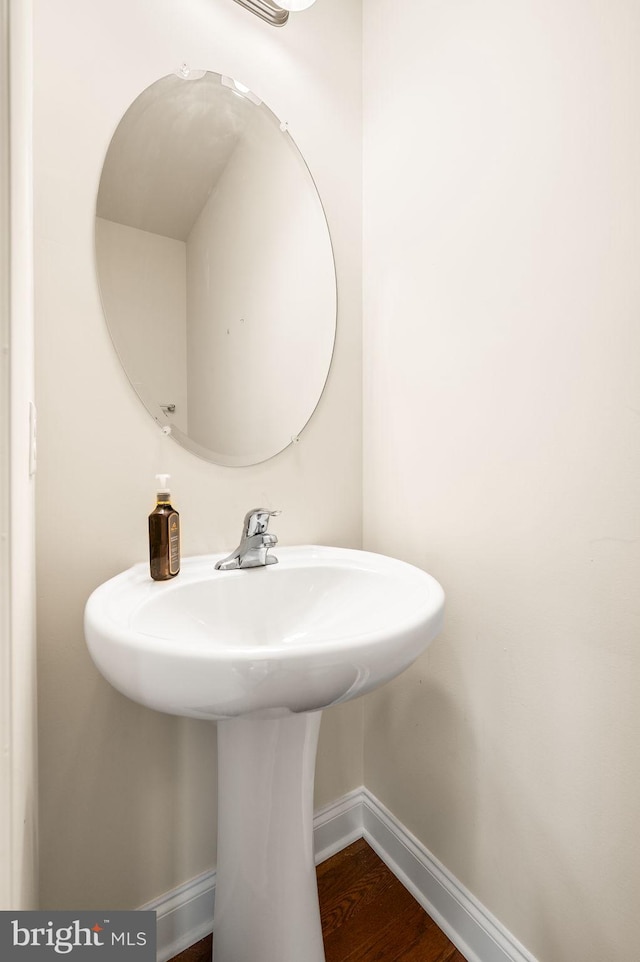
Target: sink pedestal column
[266,894]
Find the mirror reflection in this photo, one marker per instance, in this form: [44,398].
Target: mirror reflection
[216,269]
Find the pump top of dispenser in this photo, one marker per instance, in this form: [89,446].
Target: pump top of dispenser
[163,493]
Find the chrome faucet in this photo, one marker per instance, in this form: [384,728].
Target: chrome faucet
[254,544]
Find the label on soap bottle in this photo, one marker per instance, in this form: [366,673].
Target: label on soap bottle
[174,543]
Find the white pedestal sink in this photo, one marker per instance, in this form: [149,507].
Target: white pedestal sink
[263,651]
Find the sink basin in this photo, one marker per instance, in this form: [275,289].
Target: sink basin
[321,626]
[262,651]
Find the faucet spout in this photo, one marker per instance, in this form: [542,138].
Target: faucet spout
[252,552]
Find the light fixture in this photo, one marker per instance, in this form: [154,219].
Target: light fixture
[295,5]
[274,13]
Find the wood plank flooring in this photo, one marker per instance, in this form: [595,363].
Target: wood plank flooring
[367,916]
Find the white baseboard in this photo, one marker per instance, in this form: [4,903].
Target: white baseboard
[185,915]
[478,935]
[337,825]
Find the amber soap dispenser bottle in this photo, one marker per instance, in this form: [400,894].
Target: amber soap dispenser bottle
[164,535]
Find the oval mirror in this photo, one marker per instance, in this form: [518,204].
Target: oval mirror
[216,268]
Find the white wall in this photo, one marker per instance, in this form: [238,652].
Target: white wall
[261,300]
[502,452]
[127,795]
[143,284]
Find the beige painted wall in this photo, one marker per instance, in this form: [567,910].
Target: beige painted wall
[501,442]
[143,288]
[261,296]
[502,452]
[128,795]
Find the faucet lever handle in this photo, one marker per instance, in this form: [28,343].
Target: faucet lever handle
[256,521]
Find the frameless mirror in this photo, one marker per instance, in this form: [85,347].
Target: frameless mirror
[216,268]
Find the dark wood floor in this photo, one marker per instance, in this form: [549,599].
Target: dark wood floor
[367,916]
